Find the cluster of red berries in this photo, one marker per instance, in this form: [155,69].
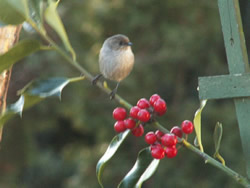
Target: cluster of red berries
[139,114]
[162,145]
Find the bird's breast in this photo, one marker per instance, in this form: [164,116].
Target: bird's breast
[116,65]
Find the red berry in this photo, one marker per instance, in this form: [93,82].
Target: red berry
[130,123]
[150,137]
[160,106]
[143,103]
[143,115]
[119,126]
[157,152]
[176,131]
[134,111]
[187,127]
[161,113]
[138,131]
[155,145]
[159,134]
[119,113]
[171,152]
[169,140]
[154,98]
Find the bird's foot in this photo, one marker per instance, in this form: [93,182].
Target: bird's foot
[112,94]
[96,78]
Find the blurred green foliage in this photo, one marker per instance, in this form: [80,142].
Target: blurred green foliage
[58,143]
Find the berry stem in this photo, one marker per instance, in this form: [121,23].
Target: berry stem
[157,125]
[186,137]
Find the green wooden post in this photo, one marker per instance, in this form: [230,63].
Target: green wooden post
[236,85]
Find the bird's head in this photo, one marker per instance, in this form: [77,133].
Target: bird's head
[118,42]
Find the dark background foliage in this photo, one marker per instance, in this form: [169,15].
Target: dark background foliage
[58,143]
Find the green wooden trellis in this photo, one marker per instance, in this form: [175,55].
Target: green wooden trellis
[236,85]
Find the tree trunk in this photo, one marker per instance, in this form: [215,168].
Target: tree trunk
[9,35]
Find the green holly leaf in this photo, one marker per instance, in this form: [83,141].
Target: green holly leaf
[36,13]
[54,20]
[217,136]
[143,169]
[197,123]
[18,52]
[35,92]
[218,131]
[110,152]
[13,11]
[11,110]
[38,90]
[17,11]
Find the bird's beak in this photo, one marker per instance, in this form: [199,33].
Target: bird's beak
[129,43]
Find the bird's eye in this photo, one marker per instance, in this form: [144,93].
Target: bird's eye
[121,43]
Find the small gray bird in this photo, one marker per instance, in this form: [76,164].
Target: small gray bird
[116,60]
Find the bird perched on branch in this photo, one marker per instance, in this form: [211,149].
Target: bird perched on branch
[116,60]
